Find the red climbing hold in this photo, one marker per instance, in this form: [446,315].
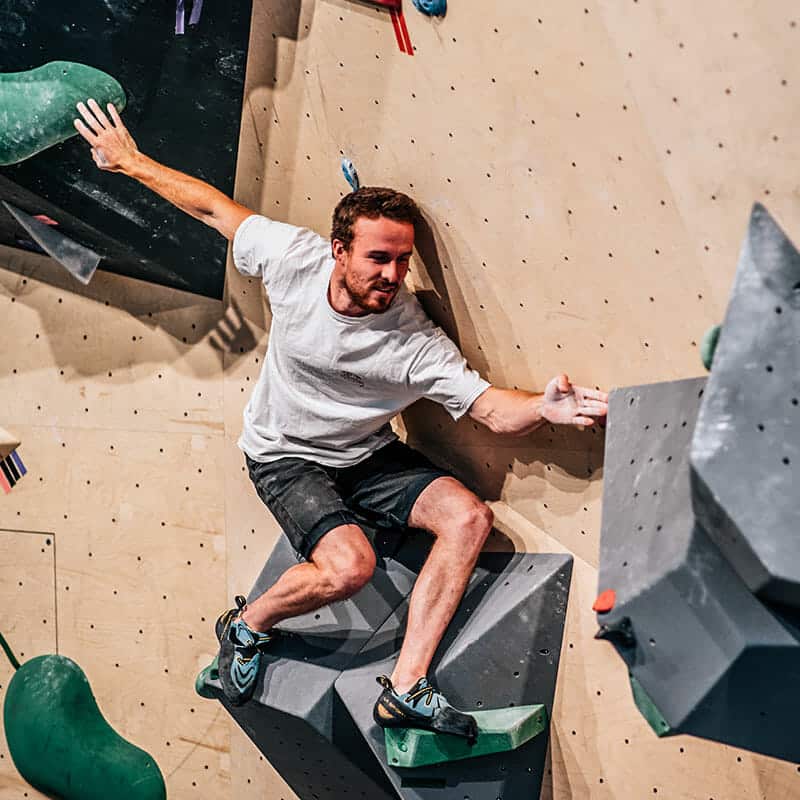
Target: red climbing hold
[398,22]
[44,218]
[605,601]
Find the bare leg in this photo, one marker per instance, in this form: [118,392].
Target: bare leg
[341,563]
[461,523]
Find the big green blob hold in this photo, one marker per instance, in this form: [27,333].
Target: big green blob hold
[37,107]
[61,744]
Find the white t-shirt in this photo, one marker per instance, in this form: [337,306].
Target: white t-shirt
[330,383]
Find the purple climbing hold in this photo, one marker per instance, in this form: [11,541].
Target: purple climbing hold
[180,15]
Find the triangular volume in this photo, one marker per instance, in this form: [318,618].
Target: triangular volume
[704,655]
[294,718]
[81,262]
[746,448]
[501,651]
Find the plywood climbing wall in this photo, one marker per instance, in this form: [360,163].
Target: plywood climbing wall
[116,393]
[29,619]
[586,170]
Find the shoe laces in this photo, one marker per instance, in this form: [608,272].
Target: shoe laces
[242,634]
[424,691]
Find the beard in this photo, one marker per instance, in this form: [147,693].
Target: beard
[374,298]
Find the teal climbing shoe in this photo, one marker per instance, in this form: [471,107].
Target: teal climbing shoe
[422,706]
[37,107]
[239,656]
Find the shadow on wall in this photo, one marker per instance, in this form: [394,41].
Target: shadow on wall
[275,26]
[565,457]
[188,319]
[446,305]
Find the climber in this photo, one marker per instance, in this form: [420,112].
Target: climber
[349,348]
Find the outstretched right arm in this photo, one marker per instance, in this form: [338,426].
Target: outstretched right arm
[114,150]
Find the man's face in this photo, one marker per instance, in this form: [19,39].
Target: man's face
[377,262]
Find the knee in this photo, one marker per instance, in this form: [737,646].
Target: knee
[351,573]
[480,520]
[473,524]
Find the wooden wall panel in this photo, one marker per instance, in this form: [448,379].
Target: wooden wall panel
[563,236]
[28,622]
[582,217]
[715,85]
[110,355]
[135,488]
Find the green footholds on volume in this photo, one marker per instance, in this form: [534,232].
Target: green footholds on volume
[38,106]
[499,730]
[201,683]
[709,345]
[648,708]
[62,745]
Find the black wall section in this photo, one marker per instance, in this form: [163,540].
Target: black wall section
[184,109]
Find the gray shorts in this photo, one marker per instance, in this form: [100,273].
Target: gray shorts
[309,499]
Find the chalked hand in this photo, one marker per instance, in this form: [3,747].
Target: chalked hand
[565,404]
[113,148]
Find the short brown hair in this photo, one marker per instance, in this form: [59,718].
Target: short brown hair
[371,202]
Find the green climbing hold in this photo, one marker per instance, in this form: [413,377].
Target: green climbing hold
[709,345]
[648,708]
[62,745]
[499,730]
[201,683]
[37,107]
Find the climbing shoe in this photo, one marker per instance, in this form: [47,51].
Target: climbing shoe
[422,706]
[239,654]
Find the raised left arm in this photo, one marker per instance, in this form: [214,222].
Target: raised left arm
[516,412]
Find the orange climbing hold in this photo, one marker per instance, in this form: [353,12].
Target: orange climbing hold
[605,601]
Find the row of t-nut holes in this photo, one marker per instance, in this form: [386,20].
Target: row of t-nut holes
[779,310]
[760,426]
[795,402]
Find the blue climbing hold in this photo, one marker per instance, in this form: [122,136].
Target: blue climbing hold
[433,8]
[350,174]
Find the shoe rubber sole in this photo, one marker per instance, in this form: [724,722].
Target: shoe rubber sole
[447,720]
